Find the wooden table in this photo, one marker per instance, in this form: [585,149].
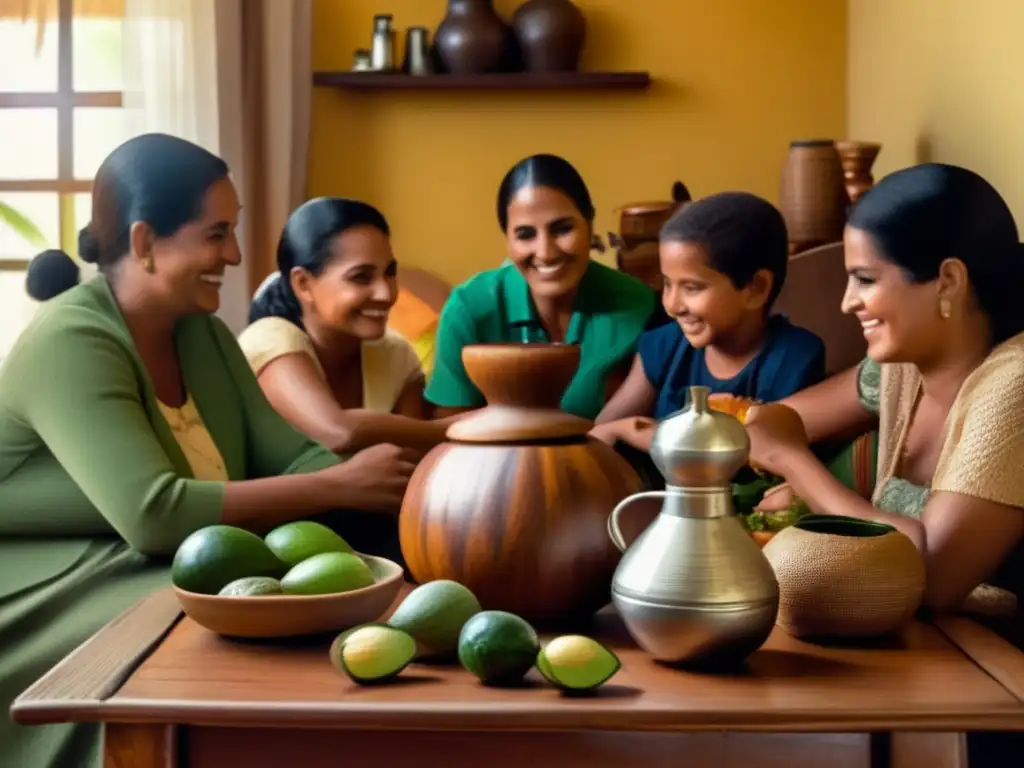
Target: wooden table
[172,693]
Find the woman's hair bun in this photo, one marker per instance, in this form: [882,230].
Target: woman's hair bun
[88,246]
[50,274]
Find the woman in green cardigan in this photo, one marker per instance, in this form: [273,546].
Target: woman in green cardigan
[129,418]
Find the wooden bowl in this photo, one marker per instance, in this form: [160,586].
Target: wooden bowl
[270,616]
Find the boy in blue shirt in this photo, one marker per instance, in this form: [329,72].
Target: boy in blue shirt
[723,261]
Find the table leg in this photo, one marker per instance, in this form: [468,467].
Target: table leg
[140,746]
[928,750]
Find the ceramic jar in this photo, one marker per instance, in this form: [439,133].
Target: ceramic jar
[812,194]
[857,157]
[515,505]
[640,226]
[472,39]
[844,577]
[551,34]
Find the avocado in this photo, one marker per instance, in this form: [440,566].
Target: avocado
[373,654]
[252,586]
[300,540]
[327,573]
[434,614]
[335,648]
[577,663]
[214,556]
[498,647]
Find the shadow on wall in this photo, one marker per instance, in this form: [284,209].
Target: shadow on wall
[924,149]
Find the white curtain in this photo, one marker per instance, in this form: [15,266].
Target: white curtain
[234,77]
[170,50]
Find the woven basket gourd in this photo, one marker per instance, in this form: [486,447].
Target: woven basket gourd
[840,577]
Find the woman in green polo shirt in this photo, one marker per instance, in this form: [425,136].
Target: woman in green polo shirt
[549,290]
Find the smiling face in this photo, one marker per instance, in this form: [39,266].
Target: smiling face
[189,266]
[549,241]
[356,290]
[705,303]
[900,318]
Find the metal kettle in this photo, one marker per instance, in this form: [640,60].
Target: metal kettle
[694,588]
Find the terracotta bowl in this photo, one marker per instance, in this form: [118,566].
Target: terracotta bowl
[531,375]
[272,616]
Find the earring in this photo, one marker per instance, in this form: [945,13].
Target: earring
[945,309]
[150,265]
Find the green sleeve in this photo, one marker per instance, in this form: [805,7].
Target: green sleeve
[273,446]
[77,387]
[449,385]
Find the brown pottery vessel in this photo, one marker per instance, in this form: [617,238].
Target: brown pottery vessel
[472,39]
[551,35]
[812,194]
[857,157]
[515,506]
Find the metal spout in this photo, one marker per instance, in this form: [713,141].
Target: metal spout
[699,398]
[698,447]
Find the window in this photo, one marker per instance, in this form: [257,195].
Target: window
[61,113]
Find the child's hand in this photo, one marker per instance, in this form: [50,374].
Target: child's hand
[607,432]
[635,430]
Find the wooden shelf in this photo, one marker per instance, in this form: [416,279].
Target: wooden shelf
[521,81]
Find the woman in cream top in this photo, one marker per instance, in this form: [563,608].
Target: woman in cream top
[389,366]
[936,279]
[318,339]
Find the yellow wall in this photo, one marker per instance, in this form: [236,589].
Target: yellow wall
[941,80]
[736,80]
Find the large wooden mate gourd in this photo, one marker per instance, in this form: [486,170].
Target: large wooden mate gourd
[515,505]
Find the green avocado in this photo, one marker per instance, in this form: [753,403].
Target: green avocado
[327,573]
[498,647]
[577,663]
[434,614]
[300,540]
[374,653]
[252,586]
[212,557]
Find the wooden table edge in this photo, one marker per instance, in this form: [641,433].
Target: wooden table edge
[80,689]
[88,676]
[995,656]
[501,718]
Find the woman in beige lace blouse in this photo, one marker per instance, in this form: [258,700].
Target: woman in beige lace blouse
[937,281]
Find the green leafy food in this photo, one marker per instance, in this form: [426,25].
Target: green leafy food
[774,521]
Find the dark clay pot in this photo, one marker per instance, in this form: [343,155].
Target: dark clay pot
[472,39]
[551,34]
